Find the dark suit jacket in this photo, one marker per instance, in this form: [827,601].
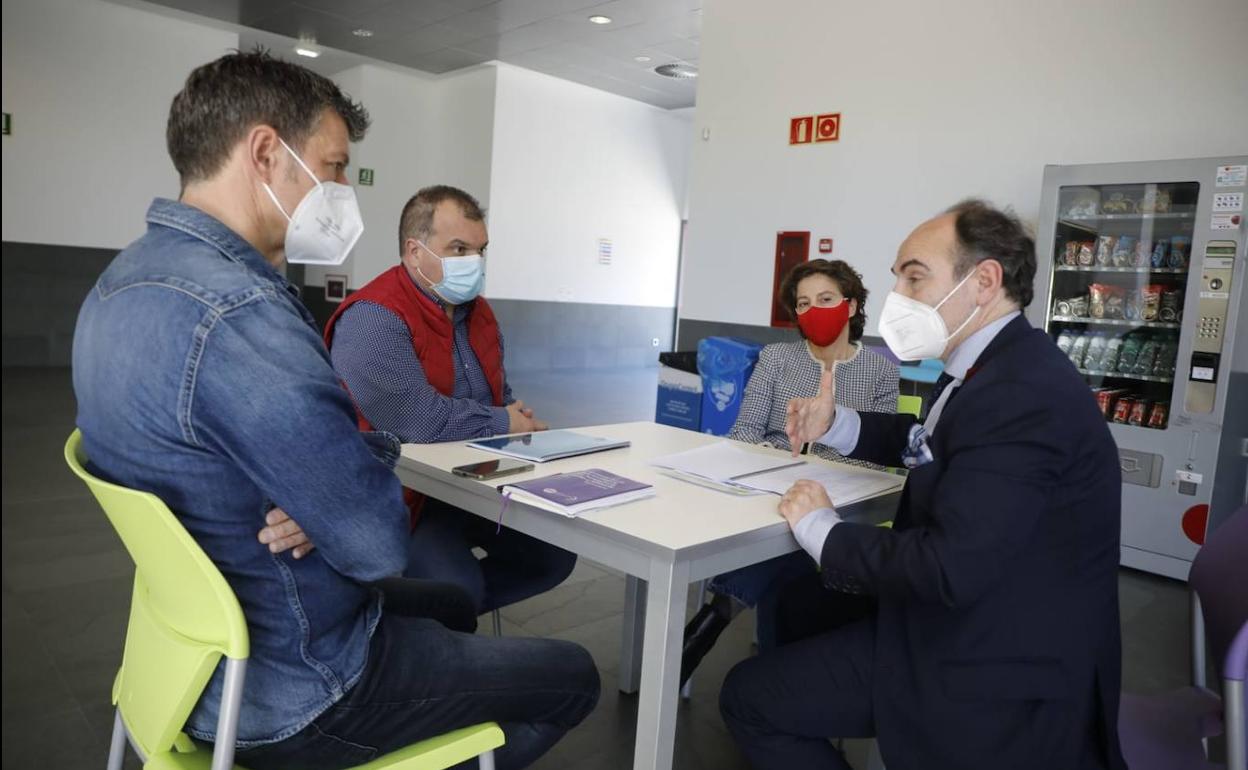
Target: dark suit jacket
[997,637]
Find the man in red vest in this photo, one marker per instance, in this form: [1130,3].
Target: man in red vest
[422,355]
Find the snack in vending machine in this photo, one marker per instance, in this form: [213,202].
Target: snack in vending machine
[1143,253]
[1087,253]
[1064,340]
[1139,412]
[1105,250]
[1129,353]
[1147,357]
[1096,352]
[1131,308]
[1180,246]
[1124,249]
[1109,362]
[1079,306]
[1122,409]
[1106,398]
[1160,415]
[1155,202]
[1118,203]
[1098,296]
[1150,302]
[1071,255]
[1170,308]
[1161,252]
[1079,350]
[1167,354]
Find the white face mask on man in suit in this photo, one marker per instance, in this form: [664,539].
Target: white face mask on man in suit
[914,330]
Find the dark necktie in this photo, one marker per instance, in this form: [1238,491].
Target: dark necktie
[942,382]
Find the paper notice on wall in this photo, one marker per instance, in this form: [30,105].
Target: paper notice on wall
[1225,222]
[1232,176]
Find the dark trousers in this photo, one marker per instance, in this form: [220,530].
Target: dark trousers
[515,566]
[784,705]
[423,680]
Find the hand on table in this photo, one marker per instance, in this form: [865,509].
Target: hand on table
[522,419]
[802,498]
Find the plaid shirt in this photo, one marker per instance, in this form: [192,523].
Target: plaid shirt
[786,370]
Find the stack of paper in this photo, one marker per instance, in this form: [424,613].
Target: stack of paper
[733,468]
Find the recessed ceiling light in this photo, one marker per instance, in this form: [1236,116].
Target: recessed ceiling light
[641,58]
[311,53]
[677,70]
[361,32]
[600,19]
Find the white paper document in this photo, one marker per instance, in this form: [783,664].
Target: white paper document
[723,462]
[845,483]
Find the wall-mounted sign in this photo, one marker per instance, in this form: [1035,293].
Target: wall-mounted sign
[815,128]
[8,124]
[335,288]
[802,130]
[828,127]
[366,177]
[825,245]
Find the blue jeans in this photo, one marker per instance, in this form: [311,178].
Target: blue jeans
[515,567]
[759,585]
[422,680]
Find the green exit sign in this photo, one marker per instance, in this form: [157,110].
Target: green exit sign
[8,124]
[366,174]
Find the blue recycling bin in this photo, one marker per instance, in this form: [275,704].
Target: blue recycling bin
[725,364]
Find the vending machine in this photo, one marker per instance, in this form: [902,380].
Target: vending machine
[1141,282]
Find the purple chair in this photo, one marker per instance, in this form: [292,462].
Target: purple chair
[1167,732]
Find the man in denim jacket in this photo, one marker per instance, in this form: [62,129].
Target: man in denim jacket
[201,378]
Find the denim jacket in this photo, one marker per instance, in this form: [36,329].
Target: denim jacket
[202,378]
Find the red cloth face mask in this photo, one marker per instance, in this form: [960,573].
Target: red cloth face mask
[822,325]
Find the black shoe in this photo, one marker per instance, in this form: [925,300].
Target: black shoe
[700,636]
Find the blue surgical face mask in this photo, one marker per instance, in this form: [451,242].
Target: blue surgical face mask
[462,277]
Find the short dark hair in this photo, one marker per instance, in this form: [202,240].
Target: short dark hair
[224,99]
[847,279]
[417,218]
[985,232]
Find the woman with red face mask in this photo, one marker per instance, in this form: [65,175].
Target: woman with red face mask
[826,299]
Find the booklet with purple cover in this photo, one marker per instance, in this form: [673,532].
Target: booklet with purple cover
[572,494]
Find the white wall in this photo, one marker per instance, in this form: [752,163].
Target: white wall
[940,101]
[425,130]
[89,86]
[571,165]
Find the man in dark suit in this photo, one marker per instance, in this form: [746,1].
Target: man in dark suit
[995,642]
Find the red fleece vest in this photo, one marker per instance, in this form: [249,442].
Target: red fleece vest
[432,339]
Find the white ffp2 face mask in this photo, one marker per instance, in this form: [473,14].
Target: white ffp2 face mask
[325,225]
[914,330]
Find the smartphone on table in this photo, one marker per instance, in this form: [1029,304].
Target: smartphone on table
[492,469]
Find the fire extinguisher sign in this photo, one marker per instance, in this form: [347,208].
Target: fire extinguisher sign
[815,128]
[802,130]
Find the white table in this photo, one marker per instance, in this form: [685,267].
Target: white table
[683,534]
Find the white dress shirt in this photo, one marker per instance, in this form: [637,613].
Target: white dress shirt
[813,529]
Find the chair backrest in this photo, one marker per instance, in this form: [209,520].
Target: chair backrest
[183,615]
[1219,575]
[909,405]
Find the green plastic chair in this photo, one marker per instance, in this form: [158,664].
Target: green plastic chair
[183,618]
[910,405]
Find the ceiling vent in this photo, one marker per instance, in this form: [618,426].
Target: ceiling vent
[678,71]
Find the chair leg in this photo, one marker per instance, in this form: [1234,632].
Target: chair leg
[486,760]
[117,748]
[686,692]
[1198,642]
[498,624]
